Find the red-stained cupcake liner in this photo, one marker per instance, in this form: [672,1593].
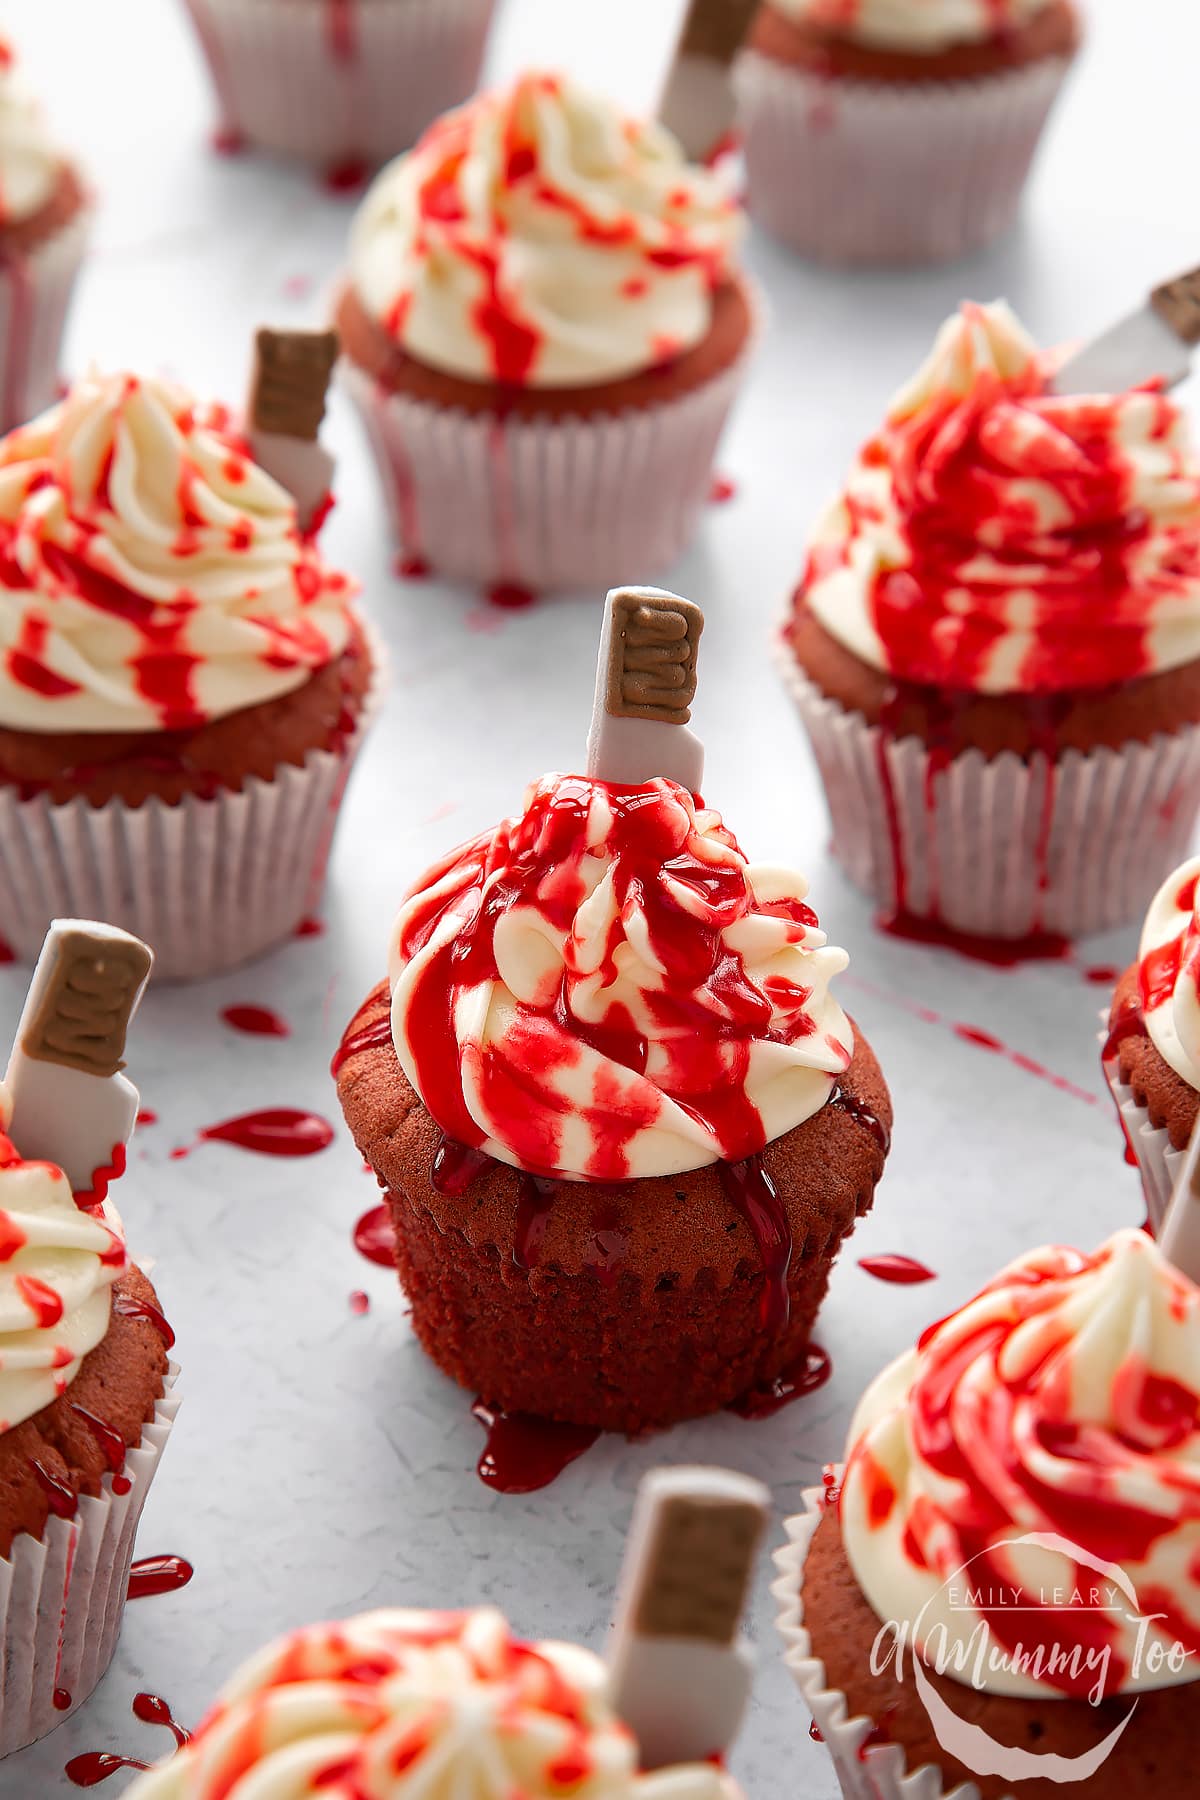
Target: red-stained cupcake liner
[875,1772]
[35,293]
[209,883]
[857,171]
[553,503]
[1158,1162]
[998,846]
[338,81]
[62,1596]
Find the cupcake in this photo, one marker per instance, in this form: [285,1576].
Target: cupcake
[897,130]
[43,233]
[410,1703]
[85,1386]
[999,1593]
[621,1121]
[995,645]
[341,83]
[185,684]
[1151,1052]
[544,330]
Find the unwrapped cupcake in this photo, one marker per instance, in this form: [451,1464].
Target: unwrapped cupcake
[1000,1593]
[995,645]
[342,83]
[622,1122]
[43,235]
[897,130]
[185,681]
[544,329]
[85,1386]
[1151,1053]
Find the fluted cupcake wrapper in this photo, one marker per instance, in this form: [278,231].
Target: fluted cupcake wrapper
[35,293]
[546,503]
[1158,1163]
[859,171]
[335,83]
[209,883]
[998,846]
[62,1596]
[880,1772]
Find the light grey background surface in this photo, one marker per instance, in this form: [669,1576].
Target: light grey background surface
[320,1464]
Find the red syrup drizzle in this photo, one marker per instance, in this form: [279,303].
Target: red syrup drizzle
[996,953]
[310,928]
[510,596]
[723,488]
[347,177]
[752,1193]
[804,1376]
[256,1021]
[7,953]
[95,1766]
[62,1501]
[903,1271]
[1102,975]
[375,1238]
[342,29]
[357,1042]
[275,1131]
[535,1203]
[146,1117]
[127,1307]
[413,568]
[110,1440]
[524,1453]
[155,1575]
[455,1167]
[360,1303]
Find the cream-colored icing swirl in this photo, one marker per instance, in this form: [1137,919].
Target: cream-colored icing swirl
[538,237]
[921,26]
[57,1268]
[996,537]
[1041,1444]
[604,988]
[402,1705]
[152,576]
[30,161]
[1169,971]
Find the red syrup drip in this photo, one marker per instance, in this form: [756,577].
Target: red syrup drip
[903,1271]
[121,1484]
[1102,975]
[62,1700]
[804,1376]
[375,1238]
[309,928]
[814,1732]
[155,1575]
[356,1043]
[146,1117]
[721,490]
[509,596]
[996,953]
[524,1453]
[863,1115]
[360,1303]
[752,1193]
[149,1709]
[256,1021]
[1129,1022]
[455,1167]
[61,1499]
[413,568]
[535,1203]
[110,1440]
[7,953]
[95,1766]
[227,140]
[129,1308]
[347,177]
[276,1131]
[984,1040]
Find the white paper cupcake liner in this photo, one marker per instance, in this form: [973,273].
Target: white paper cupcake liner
[338,82]
[554,503]
[998,846]
[35,293]
[1158,1163]
[857,171]
[883,1773]
[208,883]
[62,1596]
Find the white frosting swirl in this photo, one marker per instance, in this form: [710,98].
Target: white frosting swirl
[57,1268]
[153,577]
[1169,971]
[1062,1401]
[30,161]
[537,236]
[401,1705]
[923,26]
[996,537]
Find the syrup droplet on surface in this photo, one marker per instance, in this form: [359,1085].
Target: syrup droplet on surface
[804,1376]
[722,489]
[509,596]
[375,1237]
[256,1021]
[360,1302]
[158,1575]
[152,1710]
[146,1117]
[275,1131]
[995,952]
[309,928]
[524,1453]
[904,1271]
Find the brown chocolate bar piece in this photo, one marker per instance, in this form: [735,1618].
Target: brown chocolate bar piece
[697,1568]
[652,660]
[290,381]
[1177,303]
[83,1012]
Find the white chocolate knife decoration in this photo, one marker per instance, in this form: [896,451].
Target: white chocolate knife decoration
[680,1670]
[1155,343]
[697,105]
[1179,1237]
[645,685]
[71,1105]
[288,386]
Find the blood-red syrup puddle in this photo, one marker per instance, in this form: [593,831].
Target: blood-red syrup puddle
[256,1021]
[95,1766]
[375,1238]
[524,1453]
[275,1131]
[903,1271]
[509,596]
[995,952]
[804,1376]
[158,1575]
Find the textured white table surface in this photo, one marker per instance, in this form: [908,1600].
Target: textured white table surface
[321,1464]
